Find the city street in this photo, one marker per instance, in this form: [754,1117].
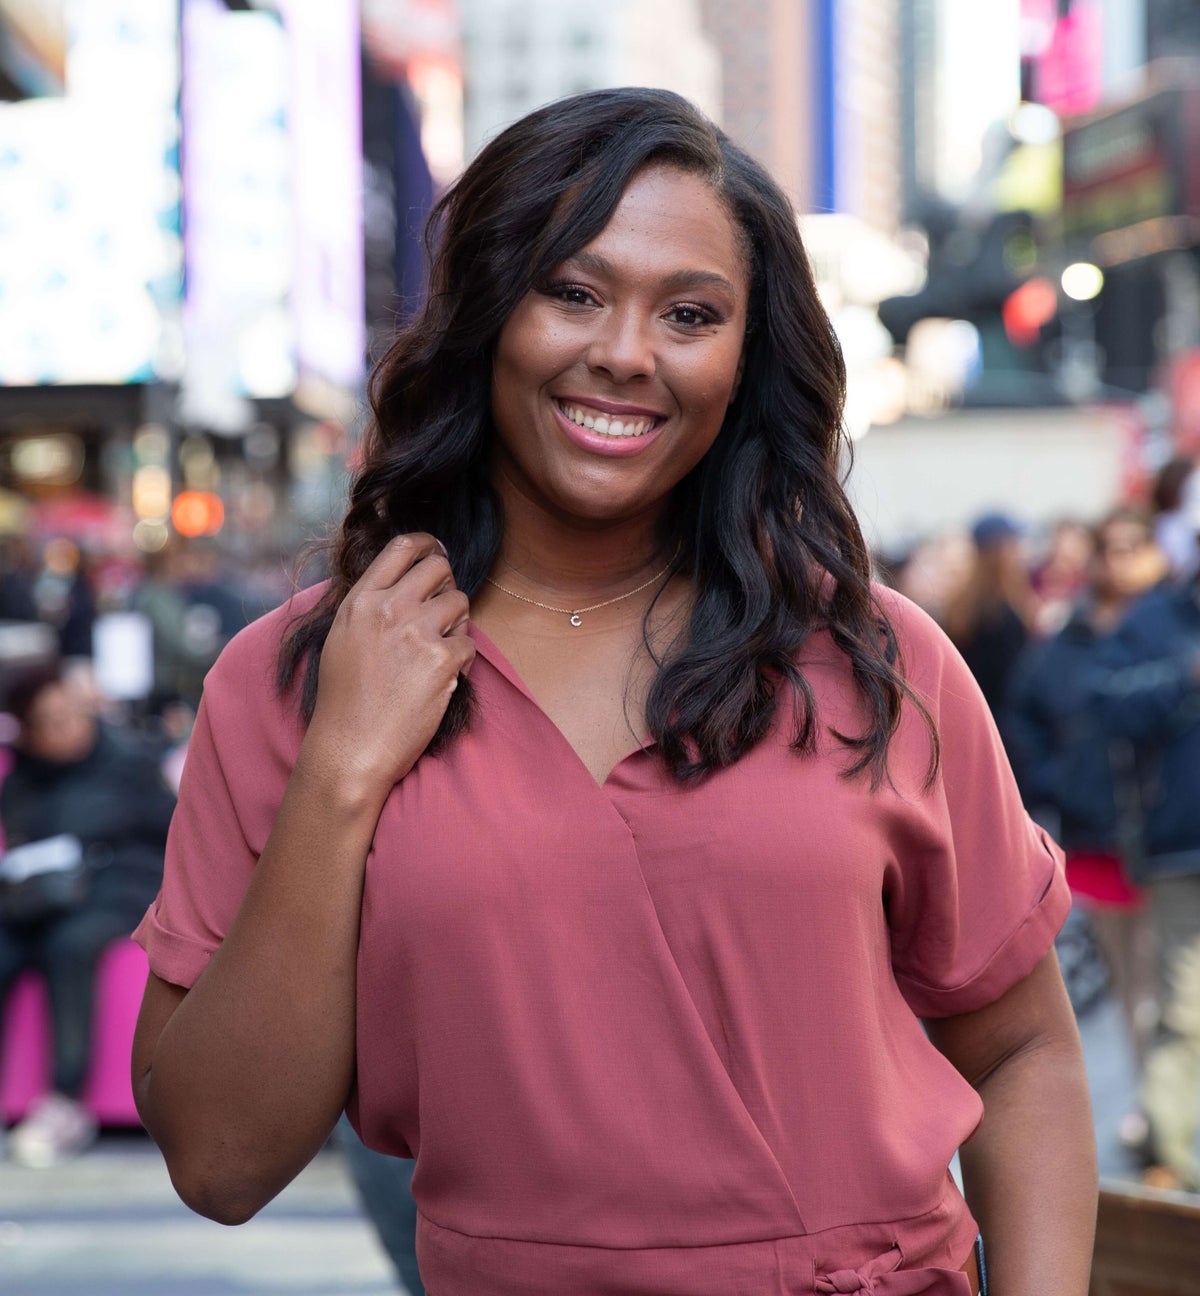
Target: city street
[111,1225]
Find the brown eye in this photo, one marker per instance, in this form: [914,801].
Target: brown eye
[570,294]
[692,316]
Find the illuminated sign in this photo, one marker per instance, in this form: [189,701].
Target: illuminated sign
[238,195]
[327,183]
[1131,165]
[90,253]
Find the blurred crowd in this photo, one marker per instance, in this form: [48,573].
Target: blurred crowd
[190,595]
[1085,642]
[102,659]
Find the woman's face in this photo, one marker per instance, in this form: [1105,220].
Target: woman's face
[612,381]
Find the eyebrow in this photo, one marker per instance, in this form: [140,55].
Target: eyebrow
[676,281]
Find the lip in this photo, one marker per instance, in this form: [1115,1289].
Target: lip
[610,407]
[598,443]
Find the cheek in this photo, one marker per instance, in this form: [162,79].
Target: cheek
[531,348]
[711,386]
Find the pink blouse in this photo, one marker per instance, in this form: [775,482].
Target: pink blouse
[649,1039]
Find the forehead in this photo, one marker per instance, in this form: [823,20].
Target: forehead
[671,216]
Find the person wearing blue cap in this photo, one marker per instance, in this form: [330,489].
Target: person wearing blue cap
[988,618]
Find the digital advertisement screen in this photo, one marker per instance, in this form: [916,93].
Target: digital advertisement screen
[90,247]
[238,331]
[327,184]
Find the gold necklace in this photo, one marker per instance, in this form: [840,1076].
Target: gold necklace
[576,614]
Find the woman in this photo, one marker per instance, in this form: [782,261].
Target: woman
[78,794]
[627,938]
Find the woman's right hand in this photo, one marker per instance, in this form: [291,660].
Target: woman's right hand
[389,667]
[241,1078]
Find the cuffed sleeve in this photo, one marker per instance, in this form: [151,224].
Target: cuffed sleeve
[240,755]
[976,890]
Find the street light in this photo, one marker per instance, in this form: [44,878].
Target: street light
[1082,361]
[1082,281]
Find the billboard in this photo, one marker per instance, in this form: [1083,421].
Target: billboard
[1133,164]
[90,251]
[238,334]
[273,191]
[327,186]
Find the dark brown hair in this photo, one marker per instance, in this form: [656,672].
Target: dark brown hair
[761,526]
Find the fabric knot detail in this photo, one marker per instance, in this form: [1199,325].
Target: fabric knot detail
[846,1280]
[884,1277]
[863,1278]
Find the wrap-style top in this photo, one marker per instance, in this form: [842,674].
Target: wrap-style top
[647,1039]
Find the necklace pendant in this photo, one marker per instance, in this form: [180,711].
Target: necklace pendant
[576,619]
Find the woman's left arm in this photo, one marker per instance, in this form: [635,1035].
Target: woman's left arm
[1030,1168]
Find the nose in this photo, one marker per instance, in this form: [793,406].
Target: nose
[622,347]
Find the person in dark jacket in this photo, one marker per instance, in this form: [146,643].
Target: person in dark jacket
[989,616]
[1069,770]
[75,783]
[1148,693]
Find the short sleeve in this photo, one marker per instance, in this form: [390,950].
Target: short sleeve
[239,758]
[975,891]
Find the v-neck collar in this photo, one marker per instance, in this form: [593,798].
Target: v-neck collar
[500,663]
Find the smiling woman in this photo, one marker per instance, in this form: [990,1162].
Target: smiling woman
[616,356]
[607,837]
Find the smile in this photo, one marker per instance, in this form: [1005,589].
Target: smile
[594,420]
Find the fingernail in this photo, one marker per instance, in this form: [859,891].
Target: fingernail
[442,547]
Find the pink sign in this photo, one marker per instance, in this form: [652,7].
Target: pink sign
[1069,72]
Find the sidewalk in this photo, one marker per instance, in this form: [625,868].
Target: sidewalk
[110,1225]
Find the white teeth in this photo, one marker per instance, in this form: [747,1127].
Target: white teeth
[604,425]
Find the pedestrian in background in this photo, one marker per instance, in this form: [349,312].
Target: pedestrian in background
[79,797]
[1149,695]
[629,934]
[1175,495]
[1062,576]
[989,616]
[1065,765]
[18,574]
[64,597]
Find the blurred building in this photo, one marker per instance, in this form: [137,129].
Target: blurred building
[811,88]
[1131,209]
[520,54]
[1052,166]
[766,62]
[412,144]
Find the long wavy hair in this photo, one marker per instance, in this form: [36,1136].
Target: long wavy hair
[761,526]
